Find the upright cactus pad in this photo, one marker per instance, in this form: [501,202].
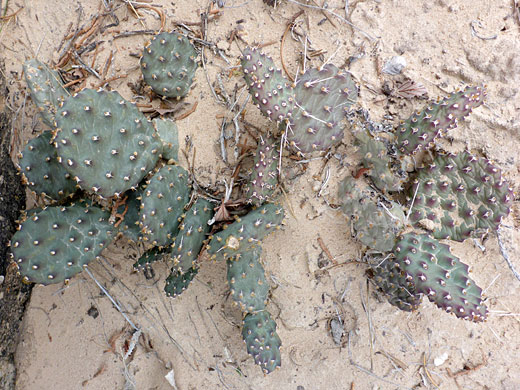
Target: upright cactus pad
[192,233]
[105,142]
[321,98]
[400,291]
[177,283]
[270,90]
[39,166]
[56,243]
[247,282]
[246,232]
[264,175]
[262,341]
[460,196]
[168,64]
[46,87]
[374,225]
[440,275]
[423,128]
[130,224]
[163,201]
[169,136]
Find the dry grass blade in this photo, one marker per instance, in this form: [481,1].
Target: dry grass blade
[410,89]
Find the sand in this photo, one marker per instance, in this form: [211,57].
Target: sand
[74,338]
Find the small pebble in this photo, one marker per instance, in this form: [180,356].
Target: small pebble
[439,360]
[394,65]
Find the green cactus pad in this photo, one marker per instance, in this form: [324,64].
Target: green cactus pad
[168,64]
[39,166]
[246,232]
[105,142]
[169,136]
[440,275]
[264,175]
[423,128]
[321,98]
[148,258]
[192,233]
[460,196]
[400,291]
[247,282]
[163,201]
[46,87]
[374,225]
[130,224]
[262,341]
[270,91]
[374,156]
[177,283]
[56,243]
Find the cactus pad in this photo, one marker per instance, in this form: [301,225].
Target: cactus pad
[130,225]
[264,175]
[177,283]
[54,244]
[39,166]
[105,142]
[246,232]
[169,136]
[440,275]
[163,201]
[423,128]
[46,87]
[262,341]
[148,258]
[460,196]
[247,282]
[168,64]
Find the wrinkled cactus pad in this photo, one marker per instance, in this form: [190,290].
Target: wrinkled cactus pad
[264,175]
[105,142]
[460,196]
[39,166]
[177,283]
[56,243]
[168,64]
[262,341]
[148,258]
[440,275]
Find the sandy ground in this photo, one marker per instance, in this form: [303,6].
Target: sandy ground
[73,337]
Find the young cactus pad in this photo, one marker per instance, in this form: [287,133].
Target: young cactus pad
[177,283]
[56,243]
[247,282]
[246,232]
[39,166]
[169,136]
[168,64]
[262,341]
[163,201]
[460,196]
[440,275]
[424,127]
[46,87]
[264,175]
[105,142]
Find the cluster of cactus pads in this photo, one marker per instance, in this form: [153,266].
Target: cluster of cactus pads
[452,196]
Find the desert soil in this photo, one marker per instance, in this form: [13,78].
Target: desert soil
[72,337]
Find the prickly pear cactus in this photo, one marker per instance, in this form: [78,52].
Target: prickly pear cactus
[269,89]
[148,258]
[46,87]
[262,341]
[105,142]
[440,275]
[264,175]
[177,283]
[169,136]
[400,291]
[321,98]
[130,209]
[246,232]
[56,243]
[168,64]
[192,233]
[39,166]
[374,225]
[423,128]
[163,201]
[460,196]
[247,282]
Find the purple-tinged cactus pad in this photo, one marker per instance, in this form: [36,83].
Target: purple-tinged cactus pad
[460,196]
[264,175]
[424,127]
[440,275]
